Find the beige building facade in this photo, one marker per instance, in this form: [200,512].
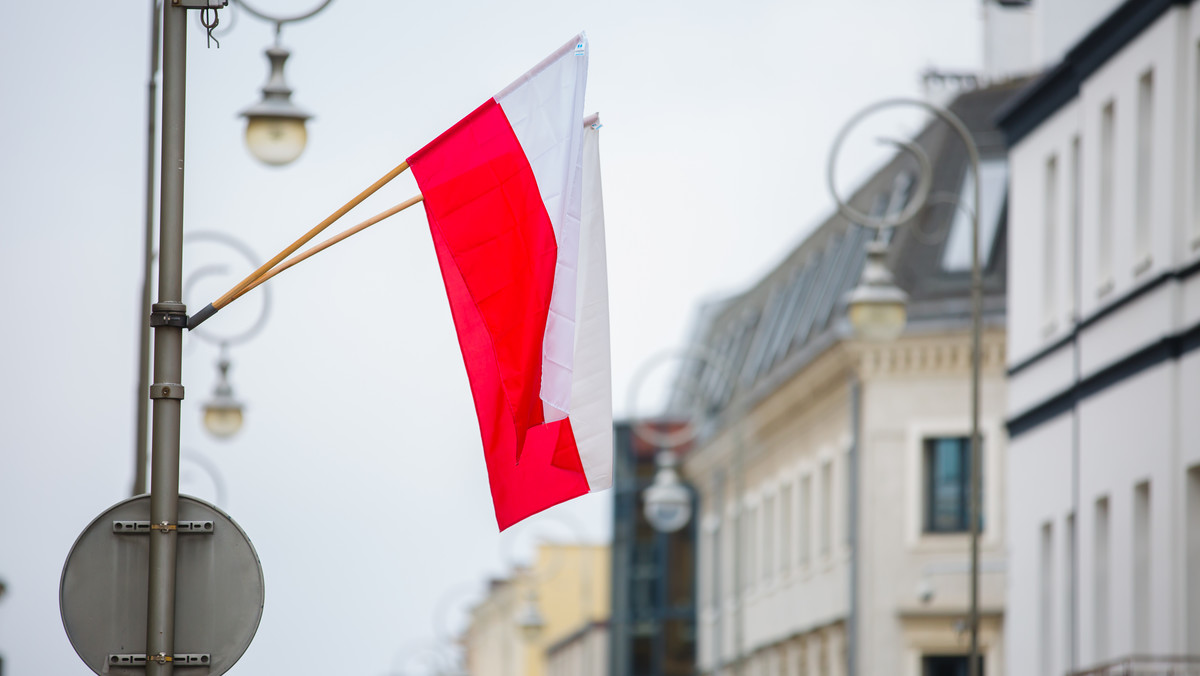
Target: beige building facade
[833,472]
[567,590]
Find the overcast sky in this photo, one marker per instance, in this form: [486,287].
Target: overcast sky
[358,475]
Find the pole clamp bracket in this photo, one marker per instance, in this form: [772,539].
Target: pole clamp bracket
[140,659]
[199,4]
[166,391]
[169,314]
[138,527]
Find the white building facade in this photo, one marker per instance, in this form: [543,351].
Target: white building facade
[1103,330]
[832,472]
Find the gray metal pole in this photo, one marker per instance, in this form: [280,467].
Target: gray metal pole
[852,524]
[918,202]
[976,455]
[167,390]
[142,433]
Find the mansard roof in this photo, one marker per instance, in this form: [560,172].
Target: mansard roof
[796,311]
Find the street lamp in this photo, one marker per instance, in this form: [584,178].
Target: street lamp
[223,413]
[275,130]
[667,503]
[529,618]
[284,129]
[876,307]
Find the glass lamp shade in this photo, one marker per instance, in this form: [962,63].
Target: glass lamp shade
[876,307]
[667,504]
[275,140]
[879,319]
[222,420]
[667,508]
[530,620]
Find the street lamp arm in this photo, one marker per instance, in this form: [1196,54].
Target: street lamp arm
[976,315]
[248,254]
[280,20]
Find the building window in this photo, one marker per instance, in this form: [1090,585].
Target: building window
[1145,168]
[1141,567]
[1196,157]
[712,551]
[948,485]
[804,523]
[825,517]
[1046,602]
[729,553]
[948,665]
[1050,243]
[1070,570]
[1100,581]
[785,527]
[1073,251]
[1192,524]
[1104,237]
[768,539]
[993,184]
[749,522]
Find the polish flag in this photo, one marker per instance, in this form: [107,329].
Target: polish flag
[512,193]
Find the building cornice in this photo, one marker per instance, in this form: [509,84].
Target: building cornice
[753,425]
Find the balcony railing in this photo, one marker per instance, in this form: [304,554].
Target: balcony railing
[1146,665]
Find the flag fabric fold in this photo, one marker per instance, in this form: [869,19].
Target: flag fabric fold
[512,195]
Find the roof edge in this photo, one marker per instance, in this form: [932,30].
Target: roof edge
[1020,116]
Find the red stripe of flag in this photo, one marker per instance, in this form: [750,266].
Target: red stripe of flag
[496,249]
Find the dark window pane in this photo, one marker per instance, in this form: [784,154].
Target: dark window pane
[643,657]
[681,568]
[947,665]
[679,648]
[948,485]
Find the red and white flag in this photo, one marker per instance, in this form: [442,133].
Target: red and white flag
[512,194]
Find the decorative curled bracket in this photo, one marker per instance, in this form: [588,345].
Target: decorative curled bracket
[282,19]
[679,437]
[925,181]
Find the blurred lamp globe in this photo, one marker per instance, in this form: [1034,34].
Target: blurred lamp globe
[667,504]
[275,131]
[222,421]
[530,620]
[223,413]
[276,140]
[876,307]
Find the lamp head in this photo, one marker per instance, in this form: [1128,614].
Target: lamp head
[223,413]
[275,131]
[530,620]
[876,307]
[667,504]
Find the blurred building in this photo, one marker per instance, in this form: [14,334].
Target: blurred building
[832,472]
[1104,325]
[547,619]
[653,628]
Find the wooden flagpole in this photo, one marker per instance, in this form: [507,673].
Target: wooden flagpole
[328,243]
[211,309]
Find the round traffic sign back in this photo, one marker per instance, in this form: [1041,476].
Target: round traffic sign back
[218,589]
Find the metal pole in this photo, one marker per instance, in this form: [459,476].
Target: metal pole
[918,202]
[852,525]
[976,459]
[167,390]
[142,432]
